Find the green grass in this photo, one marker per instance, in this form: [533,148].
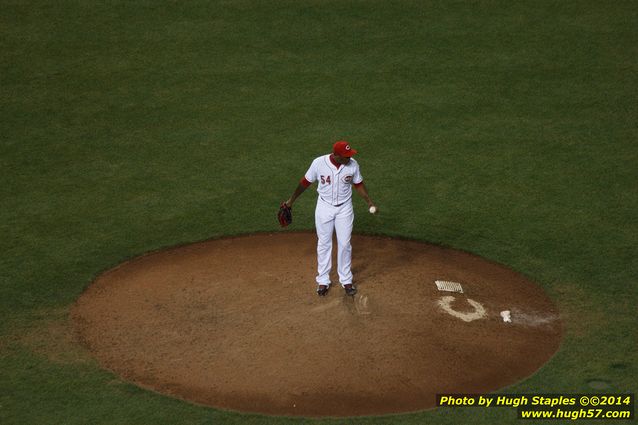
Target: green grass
[508,130]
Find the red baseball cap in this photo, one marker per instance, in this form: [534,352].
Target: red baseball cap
[342,148]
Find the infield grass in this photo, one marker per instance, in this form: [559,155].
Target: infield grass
[507,129]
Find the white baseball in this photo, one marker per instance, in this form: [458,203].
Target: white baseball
[373,209]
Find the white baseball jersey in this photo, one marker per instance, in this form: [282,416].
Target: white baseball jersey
[334,184]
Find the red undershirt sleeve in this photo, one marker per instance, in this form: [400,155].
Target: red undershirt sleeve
[304,182]
[358,184]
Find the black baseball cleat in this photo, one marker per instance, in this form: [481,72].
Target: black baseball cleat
[350,289]
[322,290]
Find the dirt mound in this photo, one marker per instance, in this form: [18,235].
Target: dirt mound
[236,324]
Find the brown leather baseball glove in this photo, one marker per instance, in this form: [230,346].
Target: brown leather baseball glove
[284,215]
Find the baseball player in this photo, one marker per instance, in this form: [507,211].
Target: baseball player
[336,174]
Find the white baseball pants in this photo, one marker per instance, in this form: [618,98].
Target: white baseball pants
[329,219]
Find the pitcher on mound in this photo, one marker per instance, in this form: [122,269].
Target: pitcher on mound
[336,174]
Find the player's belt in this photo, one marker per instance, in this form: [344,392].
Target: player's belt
[338,205]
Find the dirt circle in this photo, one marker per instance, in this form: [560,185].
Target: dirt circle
[236,324]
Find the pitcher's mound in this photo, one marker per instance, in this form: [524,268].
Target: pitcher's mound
[236,324]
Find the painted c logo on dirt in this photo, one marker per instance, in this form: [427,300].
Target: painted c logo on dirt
[479,311]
